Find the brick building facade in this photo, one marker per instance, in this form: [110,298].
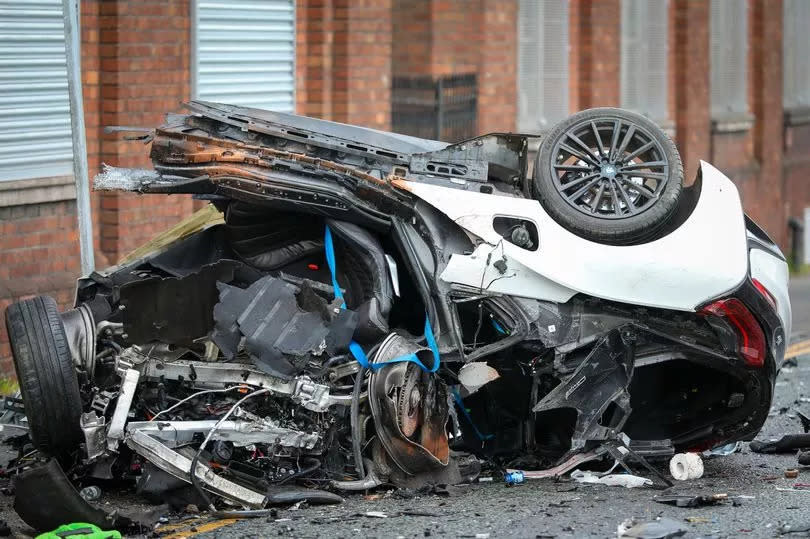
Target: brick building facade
[137,64]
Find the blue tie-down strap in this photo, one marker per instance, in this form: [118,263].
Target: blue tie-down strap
[468,417]
[357,350]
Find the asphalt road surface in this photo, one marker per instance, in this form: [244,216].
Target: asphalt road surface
[545,508]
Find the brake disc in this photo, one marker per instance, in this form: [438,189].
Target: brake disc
[406,401]
[409,401]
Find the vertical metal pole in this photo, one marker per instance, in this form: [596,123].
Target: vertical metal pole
[70,10]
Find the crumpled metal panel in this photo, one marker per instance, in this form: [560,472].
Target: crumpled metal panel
[280,324]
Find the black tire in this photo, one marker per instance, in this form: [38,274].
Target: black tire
[596,185]
[47,378]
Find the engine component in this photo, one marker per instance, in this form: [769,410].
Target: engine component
[240,433]
[180,466]
[302,390]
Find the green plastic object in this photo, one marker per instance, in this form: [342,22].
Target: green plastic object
[80,530]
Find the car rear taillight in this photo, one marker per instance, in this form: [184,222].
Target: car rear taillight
[751,338]
[764,292]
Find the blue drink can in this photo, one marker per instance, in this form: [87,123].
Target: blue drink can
[514,478]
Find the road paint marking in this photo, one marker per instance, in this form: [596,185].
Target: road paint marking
[798,349]
[189,529]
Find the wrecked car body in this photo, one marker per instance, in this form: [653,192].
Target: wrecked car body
[370,306]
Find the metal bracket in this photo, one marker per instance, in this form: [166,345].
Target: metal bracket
[302,390]
[115,433]
[179,466]
[240,433]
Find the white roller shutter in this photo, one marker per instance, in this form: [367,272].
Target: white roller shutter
[644,57]
[244,53]
[542,64]
[729,56]
[34,108]
[796,54]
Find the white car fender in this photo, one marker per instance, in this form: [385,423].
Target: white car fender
[702,259]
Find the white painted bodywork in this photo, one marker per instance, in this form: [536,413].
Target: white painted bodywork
[704,258]
[773,273]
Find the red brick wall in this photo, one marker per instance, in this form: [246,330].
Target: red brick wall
[452,37]
[599,47]
[497,71]
[361,76]
[766,201]
[144,51]
[456,26]
[38,255]
[344,65]
[797,170]
[413,37]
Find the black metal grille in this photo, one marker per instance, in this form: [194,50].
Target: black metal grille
[443,108]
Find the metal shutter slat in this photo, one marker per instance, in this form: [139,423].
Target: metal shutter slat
[796,71]
[244,53]
[729,53]
[542,63]
[34,107]
[643,68]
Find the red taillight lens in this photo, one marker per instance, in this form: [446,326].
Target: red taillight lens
[751,337]
[765,293]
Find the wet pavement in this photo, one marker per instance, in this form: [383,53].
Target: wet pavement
[764,503]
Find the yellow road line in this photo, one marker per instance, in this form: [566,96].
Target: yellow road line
[190,530]
[798,349]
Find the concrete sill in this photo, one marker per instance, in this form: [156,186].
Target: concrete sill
[797,116]
[733,122]
[37,191]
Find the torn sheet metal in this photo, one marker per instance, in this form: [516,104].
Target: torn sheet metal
[173,310]
[602,379]
[124,179]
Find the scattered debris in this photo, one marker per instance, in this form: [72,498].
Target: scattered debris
[791,473]
[514,478]
[660,528]
[91,493]
[687,500]
[723,450]
[686,466]
[794,528]
[786,444]
[473,376]
[612,480]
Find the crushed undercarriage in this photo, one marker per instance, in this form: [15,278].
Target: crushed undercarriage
[302,334]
